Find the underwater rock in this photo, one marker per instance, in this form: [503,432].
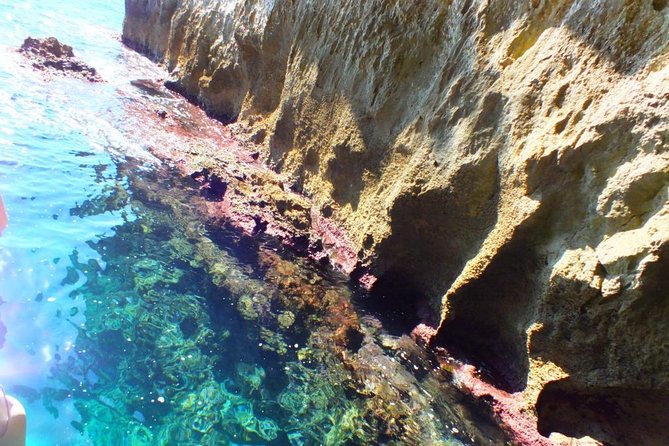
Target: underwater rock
[251,376]
[338,383]
[152,87]
[51,56]
[286,319]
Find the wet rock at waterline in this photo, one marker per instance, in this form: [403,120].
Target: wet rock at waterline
[52,56]
[501,167]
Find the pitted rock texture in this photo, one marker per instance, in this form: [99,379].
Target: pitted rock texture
[503,166]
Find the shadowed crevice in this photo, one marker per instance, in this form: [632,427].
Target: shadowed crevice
[488,318]
[613,416]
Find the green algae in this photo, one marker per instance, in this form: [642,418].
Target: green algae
[286,319]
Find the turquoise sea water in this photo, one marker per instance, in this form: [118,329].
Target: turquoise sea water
[54,138]
[131,321]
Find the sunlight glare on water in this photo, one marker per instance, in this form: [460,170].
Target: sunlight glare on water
[49,162]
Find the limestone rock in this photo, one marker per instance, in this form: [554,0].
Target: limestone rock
[504,165]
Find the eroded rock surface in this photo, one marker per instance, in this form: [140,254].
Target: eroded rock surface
[52,56]
[502,166]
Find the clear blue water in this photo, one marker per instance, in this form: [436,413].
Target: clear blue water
[130,321]
[53,141]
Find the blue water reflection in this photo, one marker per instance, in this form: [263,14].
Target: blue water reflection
[52,136]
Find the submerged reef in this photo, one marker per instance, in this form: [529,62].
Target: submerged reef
[197,335]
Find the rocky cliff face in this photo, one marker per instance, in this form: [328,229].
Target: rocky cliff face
[501,167]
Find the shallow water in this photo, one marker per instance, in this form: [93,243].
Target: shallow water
[133,320]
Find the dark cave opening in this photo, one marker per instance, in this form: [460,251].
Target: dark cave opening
[500,359]
[487,317]
[611,415]
[398,303]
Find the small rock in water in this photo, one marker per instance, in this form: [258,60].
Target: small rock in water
[52,56]
[49,46]
[152,87]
